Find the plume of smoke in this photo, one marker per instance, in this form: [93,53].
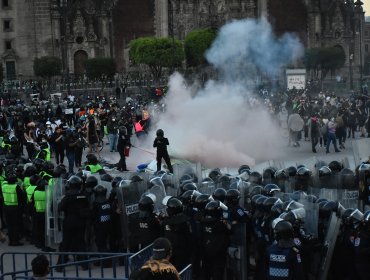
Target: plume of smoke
[216,125]
[246,46]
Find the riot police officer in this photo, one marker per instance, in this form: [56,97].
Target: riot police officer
[215,241]
[38,203]
[76,210]
[283,259]
[101,217]
[177,229]
[14,201]
[149,225]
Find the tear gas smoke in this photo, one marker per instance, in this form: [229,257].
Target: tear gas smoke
[218,125]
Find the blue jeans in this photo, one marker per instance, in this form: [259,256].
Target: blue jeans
[71,162]
[331,138]
[113,139]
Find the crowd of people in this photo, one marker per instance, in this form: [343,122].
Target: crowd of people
[250,211]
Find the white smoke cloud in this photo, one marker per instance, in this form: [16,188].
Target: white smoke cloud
[215,125]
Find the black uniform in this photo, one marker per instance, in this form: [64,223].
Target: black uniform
[149,228]
[177,230]
[76,210]
[161,144]
[215,241]
[101,213]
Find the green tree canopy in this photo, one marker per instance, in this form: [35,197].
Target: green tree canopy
[324,60]
[47,66]
[196,44]
[156,53]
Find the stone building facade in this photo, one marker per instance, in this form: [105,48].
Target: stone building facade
[76,30]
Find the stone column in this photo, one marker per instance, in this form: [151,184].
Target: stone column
[161,18]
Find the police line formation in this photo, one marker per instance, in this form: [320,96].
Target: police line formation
[292,223]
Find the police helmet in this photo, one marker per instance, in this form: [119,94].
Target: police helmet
[346,213]
[29,171]
[160,133]
[146,204]
[325,171]
[116,181]
[292,171]
[269,202]
[11,178]
[355,217]
[255,178]
[303,173]
[259,203]
[366,219]
[188,197]
[136,178]
[232,197]
[281,174]
[74,182]
[106,178]
[256,190]
[291,205]
[215,174]
[174,206]
[187,187]
[81,175]
[13,140]
[271,189]
[59,170]
[201,201]
[335,166]
[321,200]
[215,209]
[283,230]
[34,179]
[41,184]
[219,194]
[99,190]
[331,206]
[255,198]
[269,173]
[38,163]
[276,210]
[91,182]
[244,168]
[311,198]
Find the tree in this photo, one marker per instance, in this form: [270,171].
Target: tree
[157,53]
[324,60]
[197,42]
[101,69]
[47,66]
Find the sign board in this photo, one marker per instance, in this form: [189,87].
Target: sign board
[296,78]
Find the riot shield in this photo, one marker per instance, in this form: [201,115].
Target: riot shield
[349,193]
[237,261]
[186,168]
[330,239]
[54,219]
[311,220]
[128,195]
[207,187]
[157,189]
[169,184]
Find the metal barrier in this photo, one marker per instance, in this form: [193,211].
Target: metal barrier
[138,259]
[109,265]
[186,273]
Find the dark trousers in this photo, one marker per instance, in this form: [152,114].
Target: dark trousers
[59,155]
[214,267]
[71,162]
[314,141]
[73,240]
[101,236]
[166,158]
[31,151]
[78,157]
[2,215]
[122,160]
[331,138]
[341,135]
[39,229]
[12,216]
